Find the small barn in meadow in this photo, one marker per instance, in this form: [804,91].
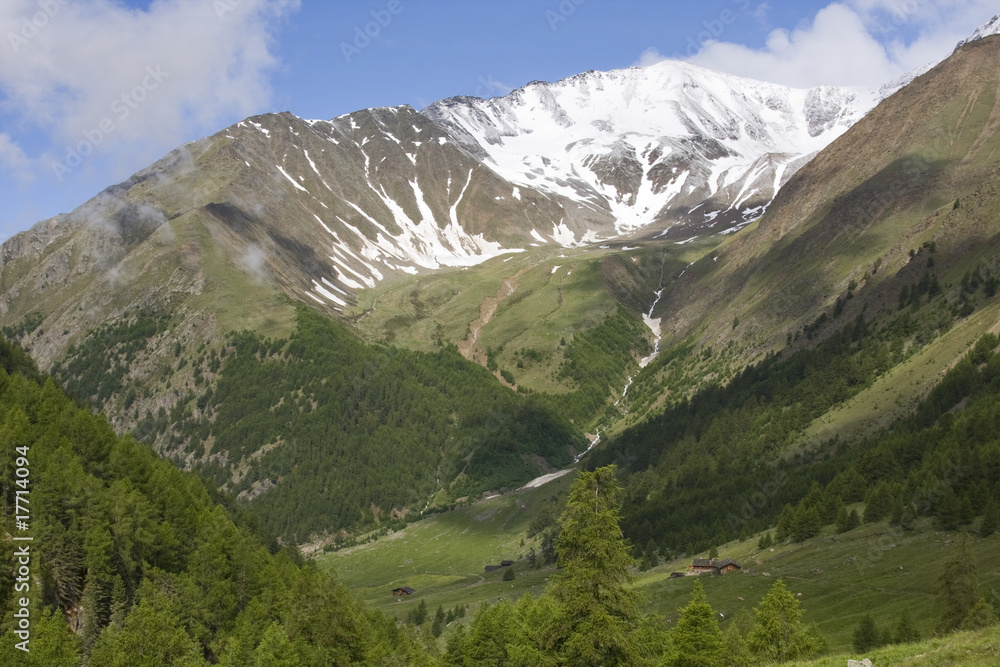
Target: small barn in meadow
[404,590]
[702,566]
[729,565]
[712,566]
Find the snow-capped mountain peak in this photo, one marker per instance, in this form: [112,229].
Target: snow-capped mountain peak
[642,147]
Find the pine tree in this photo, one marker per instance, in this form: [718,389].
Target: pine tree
[896,511]
[420,615]
[650,557]
[548,548]
[786,523]
[807,524]
[866,635]
[949,510]
[736,648]
[52,643]
[853,520]
[831,508]
[909,517]
[713,553]
[119,602]
[599,609]
[150,637]
[957,588]
[779,634]
[966,512]
[878,503]
[841,520]
[275,649]
[906,633]
[696,640]
[980,616]
[988,524]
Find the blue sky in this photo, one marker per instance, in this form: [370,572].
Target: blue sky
[93,90]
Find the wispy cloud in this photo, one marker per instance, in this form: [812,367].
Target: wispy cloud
[850,43]
[14,160]
[128,82]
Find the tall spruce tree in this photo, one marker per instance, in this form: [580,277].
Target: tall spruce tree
[906,632]
[696,640]
[866,636]
[991,518]
[779,634]
[957,588]
[600,614]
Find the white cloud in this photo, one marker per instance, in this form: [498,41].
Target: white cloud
[254,262]
[129,81]
[650,56]
[13,159]
[850,43]
[835,49]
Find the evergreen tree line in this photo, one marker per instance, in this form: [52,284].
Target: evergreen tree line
[937,463]
[597,362]
[96,368]
[135,564]
[138,565]
[718,453]
[355,430]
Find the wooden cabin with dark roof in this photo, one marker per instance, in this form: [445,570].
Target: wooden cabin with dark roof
[712,566]
[729,565]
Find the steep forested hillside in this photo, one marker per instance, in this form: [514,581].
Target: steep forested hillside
[324,432]
[733,452]
[132,562]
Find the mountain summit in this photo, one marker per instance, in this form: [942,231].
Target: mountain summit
[670,149]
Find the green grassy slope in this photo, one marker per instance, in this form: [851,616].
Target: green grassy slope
[874,569]
[964,649]
[443,556]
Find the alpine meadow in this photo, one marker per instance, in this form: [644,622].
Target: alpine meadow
[652,366]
